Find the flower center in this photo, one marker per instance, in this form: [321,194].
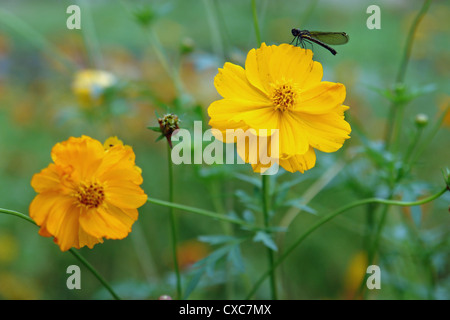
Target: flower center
[90,195]
[283,96]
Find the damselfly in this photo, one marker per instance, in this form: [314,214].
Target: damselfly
[321,38]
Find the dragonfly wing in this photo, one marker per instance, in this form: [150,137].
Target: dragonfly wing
[331,38]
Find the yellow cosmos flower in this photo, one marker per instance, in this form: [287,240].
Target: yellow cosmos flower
[281,88]
[90,85]
[88,193]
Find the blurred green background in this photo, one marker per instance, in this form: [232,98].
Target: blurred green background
[39,58]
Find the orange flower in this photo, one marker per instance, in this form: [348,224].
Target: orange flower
[190,252]
[88,193]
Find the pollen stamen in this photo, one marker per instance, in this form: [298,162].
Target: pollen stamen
[90,195]
[283,97]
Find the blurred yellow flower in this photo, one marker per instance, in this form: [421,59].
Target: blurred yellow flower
[8,248]
[16,287]
[355,274]
[444,106]
[90,85]
[281,88]
[87,193]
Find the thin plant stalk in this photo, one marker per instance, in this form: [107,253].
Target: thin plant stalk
[265,182]
[270,254]
[331,216]
[75,253]
[255,23]
[402,70]
[203,212]
[173,224]
[394,125]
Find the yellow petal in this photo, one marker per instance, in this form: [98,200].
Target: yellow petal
[299,162]
[290,63]
[100,223]
[124,194]
[292,137]
[322,98]
[231,83]
[85,153]
[326,132]
[66,235]
[257,68]
[87,240]
[42,205]
[47,180]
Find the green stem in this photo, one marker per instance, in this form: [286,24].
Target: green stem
[216,36]
[397,126]
[270,256]
[372,248]
[202,212]
[402,71]
[307,13]
[80,258]
[433,131]
[413,145]
[332,215]
[89,36]
[409,41]
[161,55]
[72,251]
[173,223]
[255,22]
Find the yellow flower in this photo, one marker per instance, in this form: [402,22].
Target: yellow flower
[355,274]
[281,88]
[90,85]
[87,193]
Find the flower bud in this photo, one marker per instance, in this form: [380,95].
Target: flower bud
[168,124]
[187,46]
[421,120]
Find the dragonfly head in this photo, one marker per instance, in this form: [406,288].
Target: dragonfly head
[295,32]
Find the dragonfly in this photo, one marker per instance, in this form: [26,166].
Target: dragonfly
[323,39]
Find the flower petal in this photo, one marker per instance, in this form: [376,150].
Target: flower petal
[86,152]
[231,83]
[300,162]
[325,132]
[292,136]
[288,62]
[46,180]
[257,68]
[100,223]
[322,98]
[125,194]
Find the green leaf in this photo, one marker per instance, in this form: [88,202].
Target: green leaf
[248,216]
[266,239]
[159,138]
[247,200]
[235,256]
[156,129]
[297,203]
[193,283]
[250,179]
[216,239]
